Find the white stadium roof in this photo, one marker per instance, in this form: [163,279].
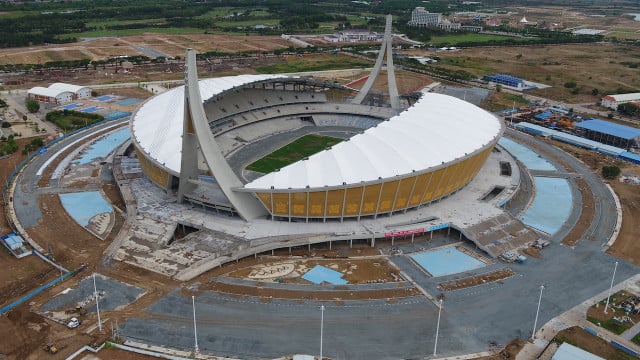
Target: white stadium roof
[157,124]
[437,129]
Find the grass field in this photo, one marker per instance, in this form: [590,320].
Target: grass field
[125,32]
[292,152]
[315,63]
[449,40]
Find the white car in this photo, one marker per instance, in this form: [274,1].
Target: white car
[73,323]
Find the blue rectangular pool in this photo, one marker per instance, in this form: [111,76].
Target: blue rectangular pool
[320,274]
[446,261]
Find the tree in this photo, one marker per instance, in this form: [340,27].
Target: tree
[570,84]
[6,124]
[32,105]
[595,91]
[610,172]
[498,88]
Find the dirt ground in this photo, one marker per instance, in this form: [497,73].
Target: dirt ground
[592,66]
[172,45]
[508,352]
[579,337]
[492,276]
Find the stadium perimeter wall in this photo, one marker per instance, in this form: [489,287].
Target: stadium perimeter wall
[375,198]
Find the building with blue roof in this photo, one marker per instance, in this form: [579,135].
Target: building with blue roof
[609,133]
[507,80]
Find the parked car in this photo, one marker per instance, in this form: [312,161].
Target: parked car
[73,323]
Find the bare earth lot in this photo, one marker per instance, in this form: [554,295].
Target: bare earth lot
[591,66]
[173,45]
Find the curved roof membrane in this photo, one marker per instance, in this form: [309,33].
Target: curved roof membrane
[157,124]
[436,130]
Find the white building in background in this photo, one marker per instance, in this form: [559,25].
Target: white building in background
[354,36]
[612,101]
[50,95]
[423,18]
[80,92]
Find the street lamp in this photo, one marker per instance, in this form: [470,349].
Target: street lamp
[435,344]
[95,293]
[535,323]
[195,331]
[321,327]
[611,287]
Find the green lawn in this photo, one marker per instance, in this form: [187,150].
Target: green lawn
[248,22]
[108,22]
[452,40]
[101,33]
[292,152]
[318,63]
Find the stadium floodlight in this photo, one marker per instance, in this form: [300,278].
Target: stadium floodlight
[95,294]
[535,322]
[615,267]
[195,330]
[321,328]
[435,344]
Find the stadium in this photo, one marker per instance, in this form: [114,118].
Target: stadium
[386,161]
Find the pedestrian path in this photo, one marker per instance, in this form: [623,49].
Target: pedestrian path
[577,317]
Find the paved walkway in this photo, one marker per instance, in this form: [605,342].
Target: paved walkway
[577,317]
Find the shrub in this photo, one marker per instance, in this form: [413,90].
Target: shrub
[610,172]
[6,124]
[32,105]
[570,84]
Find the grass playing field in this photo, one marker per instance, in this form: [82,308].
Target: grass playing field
[292,152]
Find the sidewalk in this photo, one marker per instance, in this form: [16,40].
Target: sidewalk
[577,317]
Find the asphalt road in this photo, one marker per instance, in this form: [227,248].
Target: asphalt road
[26,195]
[472,318]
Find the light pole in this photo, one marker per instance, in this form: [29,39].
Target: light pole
[535,323]
[321,327]
[611,287]
[435,344]
[95,293]
[195,331]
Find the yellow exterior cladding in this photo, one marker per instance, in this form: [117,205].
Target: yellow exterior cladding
[156,174]
[386,196]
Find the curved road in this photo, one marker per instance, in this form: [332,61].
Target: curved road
[472,318]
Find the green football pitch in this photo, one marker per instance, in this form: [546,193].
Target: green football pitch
[292,152]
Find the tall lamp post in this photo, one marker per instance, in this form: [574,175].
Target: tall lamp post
[95,293]
[195,330]
[615,267]
[435,344]
[535,323]
[321,327]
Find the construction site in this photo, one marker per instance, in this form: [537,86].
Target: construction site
[130,259]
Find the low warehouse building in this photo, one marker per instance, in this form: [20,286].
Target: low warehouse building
[80,92]
[612,101]
[609,133]
[50,95]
